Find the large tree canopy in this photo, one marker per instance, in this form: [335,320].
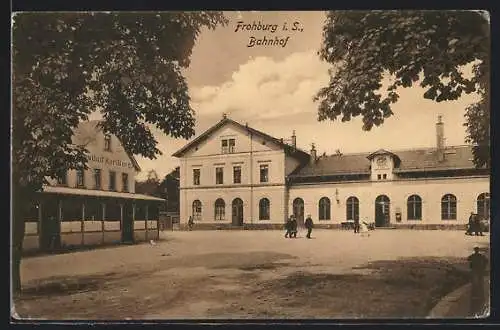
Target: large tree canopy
[426,47]
[68,65]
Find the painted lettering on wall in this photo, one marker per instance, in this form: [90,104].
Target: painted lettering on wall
[111,162]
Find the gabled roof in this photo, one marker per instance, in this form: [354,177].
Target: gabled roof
[411,160]
[95,124]
[293,151]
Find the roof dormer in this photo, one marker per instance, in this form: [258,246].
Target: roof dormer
[382,164]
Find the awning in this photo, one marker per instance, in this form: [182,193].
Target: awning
[98,193]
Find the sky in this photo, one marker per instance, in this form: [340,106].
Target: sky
[272,88]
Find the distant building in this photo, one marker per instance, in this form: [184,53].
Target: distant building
[234,175]
[95,206]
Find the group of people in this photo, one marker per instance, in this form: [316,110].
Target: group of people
[291,226]
[361,227]
[474,226]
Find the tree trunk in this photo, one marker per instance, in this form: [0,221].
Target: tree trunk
[18,207]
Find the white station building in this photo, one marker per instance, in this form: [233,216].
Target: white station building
[235,176]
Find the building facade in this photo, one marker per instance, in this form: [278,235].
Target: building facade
[233,175]
[94,206]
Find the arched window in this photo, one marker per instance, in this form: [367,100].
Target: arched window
[352,208]
[483,205]
[449,207]
[220,209]
[264,206]
[414,206]
[196,210]
[324,208]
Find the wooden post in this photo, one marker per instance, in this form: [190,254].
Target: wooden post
[133,220]
[82,226]
[121,220]
[103,206]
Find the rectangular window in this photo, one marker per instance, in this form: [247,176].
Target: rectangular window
[112,180]
[125,182]
[384,176]
[231,145]
[264,173]
[97,178]
[237,174]
[224,148]
[379,176]
[80,179]
[107,142]
[62,180]
[196,176]
[219,175]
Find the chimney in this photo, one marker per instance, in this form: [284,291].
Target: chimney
[294,140]
[440,139]
[313,153]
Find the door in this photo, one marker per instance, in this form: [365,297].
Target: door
[237,214]
[382,211]
[128,223]
[298,211]
[50,235]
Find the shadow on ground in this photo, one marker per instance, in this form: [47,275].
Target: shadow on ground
[392,288]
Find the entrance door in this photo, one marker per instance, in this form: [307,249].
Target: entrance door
[382,211]
[128,224]
[237,214]
[298,211]
[50,234]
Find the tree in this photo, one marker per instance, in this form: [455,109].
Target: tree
[65,66]
[429,47]
[167,189]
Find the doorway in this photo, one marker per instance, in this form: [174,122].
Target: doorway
[128,223]
[382,211]
[237,214]
[50,234]
[298,211]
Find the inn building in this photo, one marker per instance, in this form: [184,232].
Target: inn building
[233,175]
[94,206]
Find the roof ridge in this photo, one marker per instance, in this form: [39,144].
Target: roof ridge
[396,150]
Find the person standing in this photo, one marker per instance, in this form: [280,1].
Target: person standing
[356,225]
[309,225]
[478,264]
[477,226]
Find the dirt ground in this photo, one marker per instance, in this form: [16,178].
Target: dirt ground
[251,275]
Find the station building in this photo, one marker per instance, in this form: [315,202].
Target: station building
[235,176]
[95,206]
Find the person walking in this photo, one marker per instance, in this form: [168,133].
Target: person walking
[294,227]
[190,223]
[356,225]
[470,225]
[478,264]
[288,227]
[309,225]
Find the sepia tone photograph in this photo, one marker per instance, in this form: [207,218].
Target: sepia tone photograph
[250,165]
